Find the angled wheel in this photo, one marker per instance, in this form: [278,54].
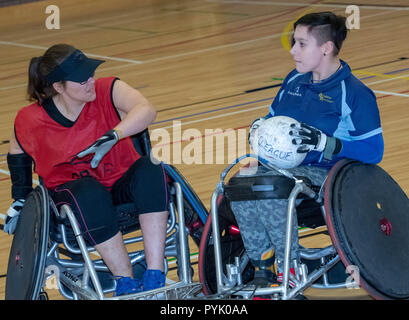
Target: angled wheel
[27,258]
[367,216]
[195,212]
[231,247]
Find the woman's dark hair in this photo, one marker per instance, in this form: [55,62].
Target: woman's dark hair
[38,88]
[325,26]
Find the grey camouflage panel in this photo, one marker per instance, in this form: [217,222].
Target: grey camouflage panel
[262,223]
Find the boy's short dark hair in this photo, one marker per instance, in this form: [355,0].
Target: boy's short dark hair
[325,26]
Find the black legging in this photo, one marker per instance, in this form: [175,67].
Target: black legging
[144,184]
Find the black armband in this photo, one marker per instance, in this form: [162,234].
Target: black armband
[332,147]
[20,166]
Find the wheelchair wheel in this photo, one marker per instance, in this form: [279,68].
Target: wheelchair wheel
[367,216]
[195,212]
[27,258]
[231,247]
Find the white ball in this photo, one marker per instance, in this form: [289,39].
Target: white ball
[272,142]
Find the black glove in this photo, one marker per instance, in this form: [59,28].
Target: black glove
[100,147]
[312,139]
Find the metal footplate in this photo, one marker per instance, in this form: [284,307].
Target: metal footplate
[176,291]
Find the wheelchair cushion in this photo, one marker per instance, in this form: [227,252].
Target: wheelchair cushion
[367,215]
[242,188]
[27,258]
[128,218]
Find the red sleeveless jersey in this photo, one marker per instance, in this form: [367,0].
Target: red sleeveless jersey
[54,147]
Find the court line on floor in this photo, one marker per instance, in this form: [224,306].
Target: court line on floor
[249,91]
[218,116]
[217,47]
[135,62]
[381,81]
[30,46]
[389,78]
[381,75]
[14,87]
[240,29]
[213,110]
[301,4]
[131,62]
[388,93]
[119,19]
[189,53]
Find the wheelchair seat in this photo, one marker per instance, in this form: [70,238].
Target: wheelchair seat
[272,186]
[127,217]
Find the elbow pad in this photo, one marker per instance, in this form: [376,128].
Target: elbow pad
[20,166]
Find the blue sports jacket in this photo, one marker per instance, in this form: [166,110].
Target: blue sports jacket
[340,106]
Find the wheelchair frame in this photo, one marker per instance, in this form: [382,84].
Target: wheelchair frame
[176,245]
[230,285]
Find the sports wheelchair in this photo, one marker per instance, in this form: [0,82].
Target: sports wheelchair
[367,218]
[47,243]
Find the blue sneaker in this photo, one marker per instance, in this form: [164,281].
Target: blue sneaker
[153,279]
[127,285]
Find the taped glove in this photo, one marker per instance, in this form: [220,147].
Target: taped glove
[13,213]
[100,147]
[311,139]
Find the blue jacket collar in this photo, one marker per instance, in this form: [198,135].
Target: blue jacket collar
[332,81]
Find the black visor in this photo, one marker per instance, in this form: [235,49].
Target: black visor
[76,67]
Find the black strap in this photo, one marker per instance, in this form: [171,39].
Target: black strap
[332,147]
[263,264]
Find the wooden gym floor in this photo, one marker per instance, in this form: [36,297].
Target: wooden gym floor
[206,64]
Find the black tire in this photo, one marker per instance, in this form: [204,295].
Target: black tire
[27,257]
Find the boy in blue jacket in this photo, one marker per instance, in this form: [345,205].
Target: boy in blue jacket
[339,119]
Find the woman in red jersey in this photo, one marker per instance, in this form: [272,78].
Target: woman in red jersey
[77,132]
